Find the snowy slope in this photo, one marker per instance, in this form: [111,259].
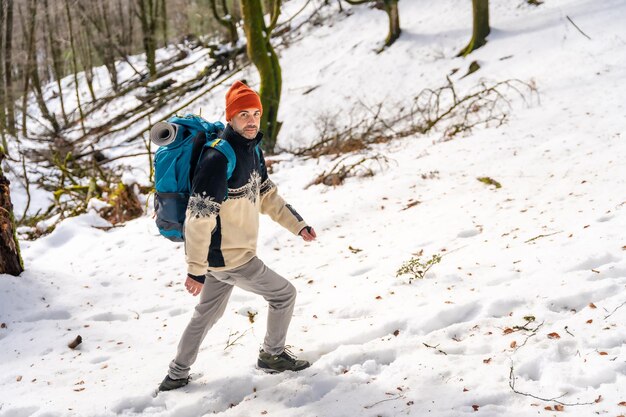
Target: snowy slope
[548,245]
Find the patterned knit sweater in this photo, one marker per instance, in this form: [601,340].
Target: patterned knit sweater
[222,220]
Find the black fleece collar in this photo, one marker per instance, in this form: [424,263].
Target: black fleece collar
[236,140]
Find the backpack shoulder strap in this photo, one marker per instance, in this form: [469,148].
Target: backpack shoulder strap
[227,150]
[258,152]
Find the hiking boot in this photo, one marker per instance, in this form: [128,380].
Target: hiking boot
[169,384]
[285,361]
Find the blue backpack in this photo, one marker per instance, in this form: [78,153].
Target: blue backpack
[174,165]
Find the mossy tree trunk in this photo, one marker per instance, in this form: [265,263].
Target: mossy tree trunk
[10,258]
[480,30]
[393,14]
[263,56]
[391,7]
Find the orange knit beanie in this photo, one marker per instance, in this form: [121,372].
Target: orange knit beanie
[240,97]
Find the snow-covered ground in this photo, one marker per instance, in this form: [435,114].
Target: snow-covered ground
[530,292]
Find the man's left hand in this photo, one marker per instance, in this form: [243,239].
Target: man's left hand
[308,234]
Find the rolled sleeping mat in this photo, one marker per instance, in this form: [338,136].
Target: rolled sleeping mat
[163,133]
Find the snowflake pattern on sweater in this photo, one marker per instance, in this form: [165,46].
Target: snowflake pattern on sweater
[203,205]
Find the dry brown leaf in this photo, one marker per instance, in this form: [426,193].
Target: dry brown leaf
[74,343]
[547,408]
[378,297]
[623,404]
[592,305]
[396,332]
[465,390]
[603,353]
[19,378]
[513,344]
[597,400]
[559,407]
[554,335]
[508,330]
[475,407]
[589,321]
[79,389]
[487,360]
[411,204]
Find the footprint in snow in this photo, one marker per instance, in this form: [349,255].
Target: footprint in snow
[49,315]
[109,317]
[606,218]
[20,411]
[595,262]
[611,272]
[154,309]
[580,300]
[445,318]
[503,306]
[139,404]
[361,271]
[177,312]
[468,233]
[365,359]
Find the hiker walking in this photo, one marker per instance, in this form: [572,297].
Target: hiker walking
[221,230]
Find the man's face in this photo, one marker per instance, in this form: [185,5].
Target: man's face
[247,123]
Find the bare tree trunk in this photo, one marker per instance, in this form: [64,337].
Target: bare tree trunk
[55,52]
[41,102]
[84,50]
[102,34]
[10,258]
[30,48]
[8,66]
[262,54]
[147,17]
[163,20]
[227,20]
[480,30]
[33,74]
[74,65]
[106,52]
[125,36]
[3,120]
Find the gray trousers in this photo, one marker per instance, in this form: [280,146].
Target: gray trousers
[253,276]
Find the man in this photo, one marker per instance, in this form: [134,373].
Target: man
[221,229]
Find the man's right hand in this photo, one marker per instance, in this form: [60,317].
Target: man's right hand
[193,286]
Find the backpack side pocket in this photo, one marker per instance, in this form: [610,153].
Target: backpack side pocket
[170,211]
